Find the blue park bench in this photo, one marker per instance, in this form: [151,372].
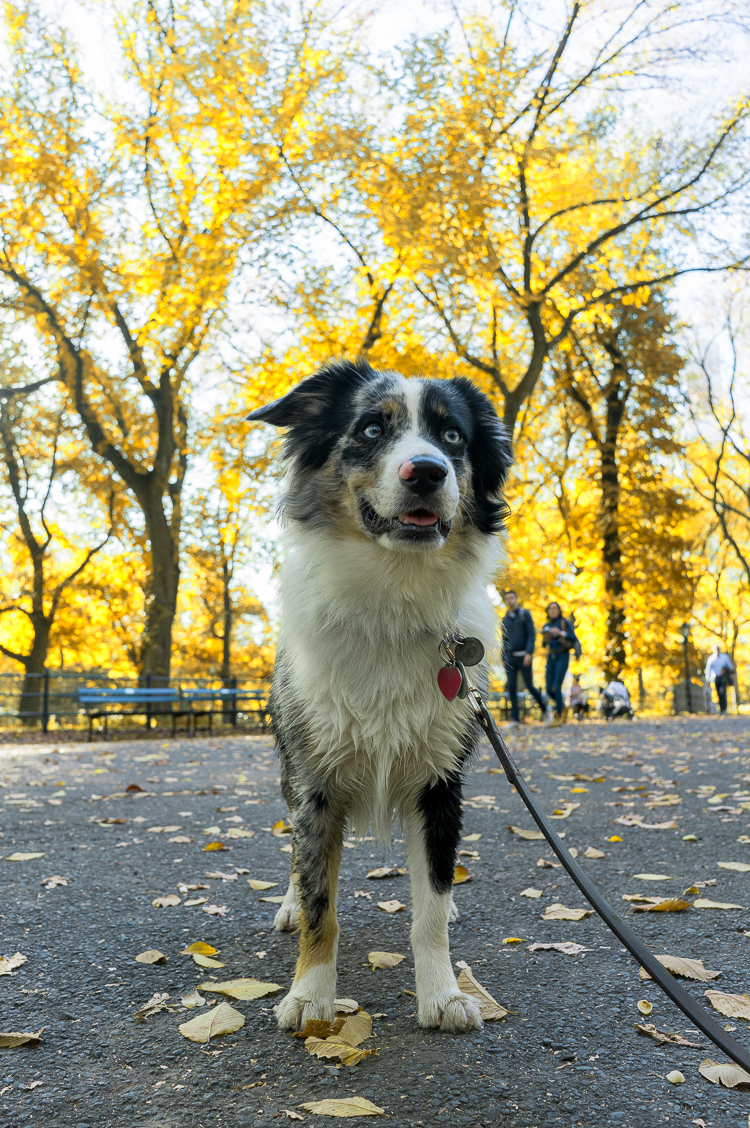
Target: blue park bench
[126,702]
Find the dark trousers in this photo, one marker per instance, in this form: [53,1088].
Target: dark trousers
[512,667]
[557,668]
[721,689]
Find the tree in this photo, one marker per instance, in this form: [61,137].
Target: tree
[512,196]
[123,228]
[38,450]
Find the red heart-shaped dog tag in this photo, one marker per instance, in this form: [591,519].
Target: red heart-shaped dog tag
[449,681]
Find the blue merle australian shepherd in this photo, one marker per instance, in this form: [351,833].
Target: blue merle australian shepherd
[392,508]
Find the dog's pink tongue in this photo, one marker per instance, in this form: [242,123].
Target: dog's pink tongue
[422,518]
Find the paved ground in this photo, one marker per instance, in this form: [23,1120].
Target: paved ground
[568,1054]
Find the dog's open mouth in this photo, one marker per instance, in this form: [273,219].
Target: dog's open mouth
[415,524]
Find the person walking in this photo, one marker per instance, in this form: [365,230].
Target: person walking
[720,671]
[576,700]
[559,637]
[519,637]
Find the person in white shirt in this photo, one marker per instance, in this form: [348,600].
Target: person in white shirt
[719,670]
[618,689]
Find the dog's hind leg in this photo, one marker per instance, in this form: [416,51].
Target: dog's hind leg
[433,830]
[318,837]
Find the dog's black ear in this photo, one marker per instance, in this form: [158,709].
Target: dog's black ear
[490,454]
[318,411]
[315,395]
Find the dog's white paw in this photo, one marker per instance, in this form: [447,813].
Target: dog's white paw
[287,918]
[453,913]
[294,1011]
[452,1012]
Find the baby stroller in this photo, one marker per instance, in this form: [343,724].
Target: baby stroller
[612,705]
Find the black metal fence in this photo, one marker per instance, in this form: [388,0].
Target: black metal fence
[50,700]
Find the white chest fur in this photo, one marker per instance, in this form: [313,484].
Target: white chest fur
[361,627]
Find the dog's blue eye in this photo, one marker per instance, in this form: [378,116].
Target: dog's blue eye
[452,435]
[372,431]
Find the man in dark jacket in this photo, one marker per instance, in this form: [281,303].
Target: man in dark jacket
[519,637]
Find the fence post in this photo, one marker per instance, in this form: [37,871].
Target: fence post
[148,703]
[45,702]
[234,701]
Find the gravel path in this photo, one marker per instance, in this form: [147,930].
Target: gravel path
[567,1054]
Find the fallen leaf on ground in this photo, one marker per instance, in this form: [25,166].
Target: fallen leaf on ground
[384,959]
[215,846]
[222,1019]
[592,852]
[156,1003]
[195,901]
[461,875]
[19,856]
[241,988]
[10,963]
[291,1115]
[675,1077]
[391,906]
[740,867]
[343,1107]
[356,1028]
[152,956]
[255,884]
[386,871]
[471,838]
[704,903]
[729,1074]
[287,849]
[733,1006]
[205,961]
[336,1049]
[637,820]
[280,828]
[489,1008]
[664,1036]
[666,905]
[210,830]
[199,947]
[183,888]
[513,940]
[558,911]
[652,877]
[527,835]
[644,1006]
[346,1006]
[565,811]
[567,947]
[530,892]
[194,999]
[679,965]
[165,902]
[239,832]
[17,1039]
[274,900]
[180,838]
[641,898]
[542,863]
[216,910]
[53,882]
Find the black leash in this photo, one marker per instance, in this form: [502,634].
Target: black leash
[453,649]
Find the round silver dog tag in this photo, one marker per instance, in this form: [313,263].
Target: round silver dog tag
[470,652]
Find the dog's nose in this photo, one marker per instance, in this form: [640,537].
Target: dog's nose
[422,474]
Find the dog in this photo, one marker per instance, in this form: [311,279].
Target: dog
[392,509]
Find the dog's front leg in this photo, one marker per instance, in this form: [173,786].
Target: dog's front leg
[433,831]
[318,837]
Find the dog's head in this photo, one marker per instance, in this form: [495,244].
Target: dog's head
[399,461]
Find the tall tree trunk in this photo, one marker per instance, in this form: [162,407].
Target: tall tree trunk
[161,607]
[226,643]
[614,587]
[34,662]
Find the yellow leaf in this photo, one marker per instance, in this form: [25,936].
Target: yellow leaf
[194,999]
[238,832]
[195,901]
[531,892]
[614,838]
[343,1107]
[461,875]
[198,947]
[206,961]
[255,884]
[215,846]
[180,838]
[242,988]
[652,877]
[675,1077]
[335,1048]
[222,1019]
[386,871]
[274,900]
[644,1006]
[729,1074]
[384,959]
[527,835]
[346,1006]
[152,956]
[356,1028]
[733,1006]
[8,964]
[489,1008]
[165,902]
[558,911]
[471,838]
[156,1003]
[679,965]
[740,867]
[592,852]
[666,905]
[391,906]
[280,828]
[13,1039]
[704,903]
[21,857]
[211,830]
[513,940]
